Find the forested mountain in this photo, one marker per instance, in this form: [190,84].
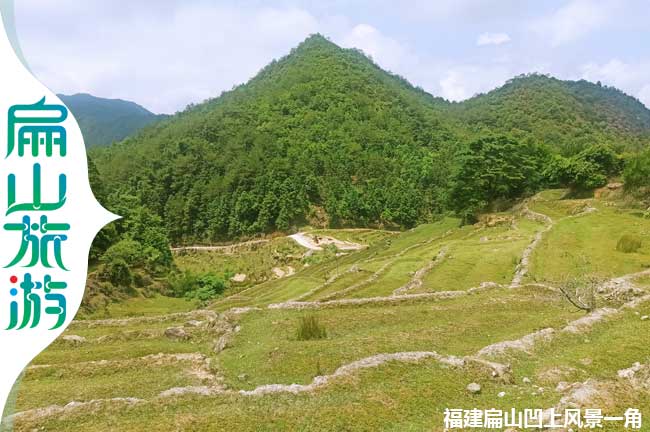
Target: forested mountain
[565,115]
[104,121]
[322,133]
[325,136]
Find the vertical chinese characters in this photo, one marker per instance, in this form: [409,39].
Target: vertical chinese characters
[36,132]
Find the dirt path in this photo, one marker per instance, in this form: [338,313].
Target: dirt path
[316,242]
[306,240]
[231,248]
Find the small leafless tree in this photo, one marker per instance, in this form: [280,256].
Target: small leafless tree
[581,291]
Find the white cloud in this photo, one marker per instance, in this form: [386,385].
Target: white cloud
[464,81]
[162,58]
[453,86]
[450,79]
[644,95]
[492,39]
[454,11]
[614,71]
[573,21]
[386,51]
[168,57]
[632,78]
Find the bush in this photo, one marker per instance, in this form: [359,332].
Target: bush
[628,244]
[603,157]
[309,328]
[117,272]
[585,171]
[637,172]
[202,286]
[181,283]
[127,250]
[577,174]
[209,286]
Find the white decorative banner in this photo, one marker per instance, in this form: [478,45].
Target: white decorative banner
[48,216]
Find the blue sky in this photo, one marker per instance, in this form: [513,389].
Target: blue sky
[165,54]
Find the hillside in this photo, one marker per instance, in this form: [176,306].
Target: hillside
[105,121]
[564,115]
[325,138]
[405,325]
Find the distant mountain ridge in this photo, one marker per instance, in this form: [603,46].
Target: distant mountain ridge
[104,121]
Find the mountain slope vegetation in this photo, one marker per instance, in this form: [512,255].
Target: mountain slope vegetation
[499,297]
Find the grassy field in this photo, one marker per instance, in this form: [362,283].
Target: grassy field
[131,374]
[587,244]
[266,349]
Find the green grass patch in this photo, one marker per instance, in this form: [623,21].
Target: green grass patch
[629,243]
[587,245]
[65,383]
[310,328]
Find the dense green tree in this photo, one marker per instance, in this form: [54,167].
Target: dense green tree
[637,172]
[322,127]
[581,175]
[584,171]
[567,116]
[603,157]
[494,168]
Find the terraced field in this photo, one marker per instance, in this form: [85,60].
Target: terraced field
[411,320]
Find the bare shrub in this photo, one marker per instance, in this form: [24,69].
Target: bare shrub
[581,291]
